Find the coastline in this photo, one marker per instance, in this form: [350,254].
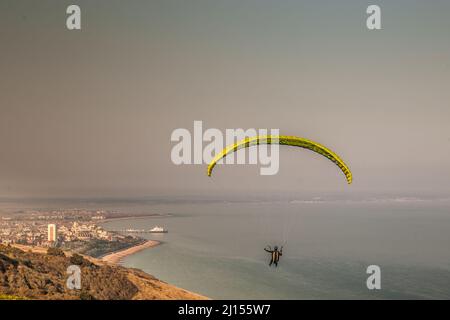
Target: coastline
[117,257]
[133,217]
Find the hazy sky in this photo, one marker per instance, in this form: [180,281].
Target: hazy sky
[90,112]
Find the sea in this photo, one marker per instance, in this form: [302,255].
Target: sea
[216,248]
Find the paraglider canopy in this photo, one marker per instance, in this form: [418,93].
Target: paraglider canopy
[283,140]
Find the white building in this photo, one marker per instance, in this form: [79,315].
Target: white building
[52,232]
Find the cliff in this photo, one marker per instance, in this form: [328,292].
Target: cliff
[32,275]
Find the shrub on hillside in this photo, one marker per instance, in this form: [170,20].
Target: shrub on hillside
[57,252]
[77,259]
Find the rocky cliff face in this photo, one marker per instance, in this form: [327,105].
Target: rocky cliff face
[43,276]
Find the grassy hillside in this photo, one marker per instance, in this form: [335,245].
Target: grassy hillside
[43,276]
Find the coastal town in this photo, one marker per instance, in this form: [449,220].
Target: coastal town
[78,230]
[50,228]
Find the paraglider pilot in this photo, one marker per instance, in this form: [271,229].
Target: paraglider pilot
[275,254]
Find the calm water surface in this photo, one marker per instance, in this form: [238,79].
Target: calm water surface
[216,249]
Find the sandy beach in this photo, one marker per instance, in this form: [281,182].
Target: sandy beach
[116,257]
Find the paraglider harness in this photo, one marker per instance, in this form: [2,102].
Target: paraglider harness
[275,254]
